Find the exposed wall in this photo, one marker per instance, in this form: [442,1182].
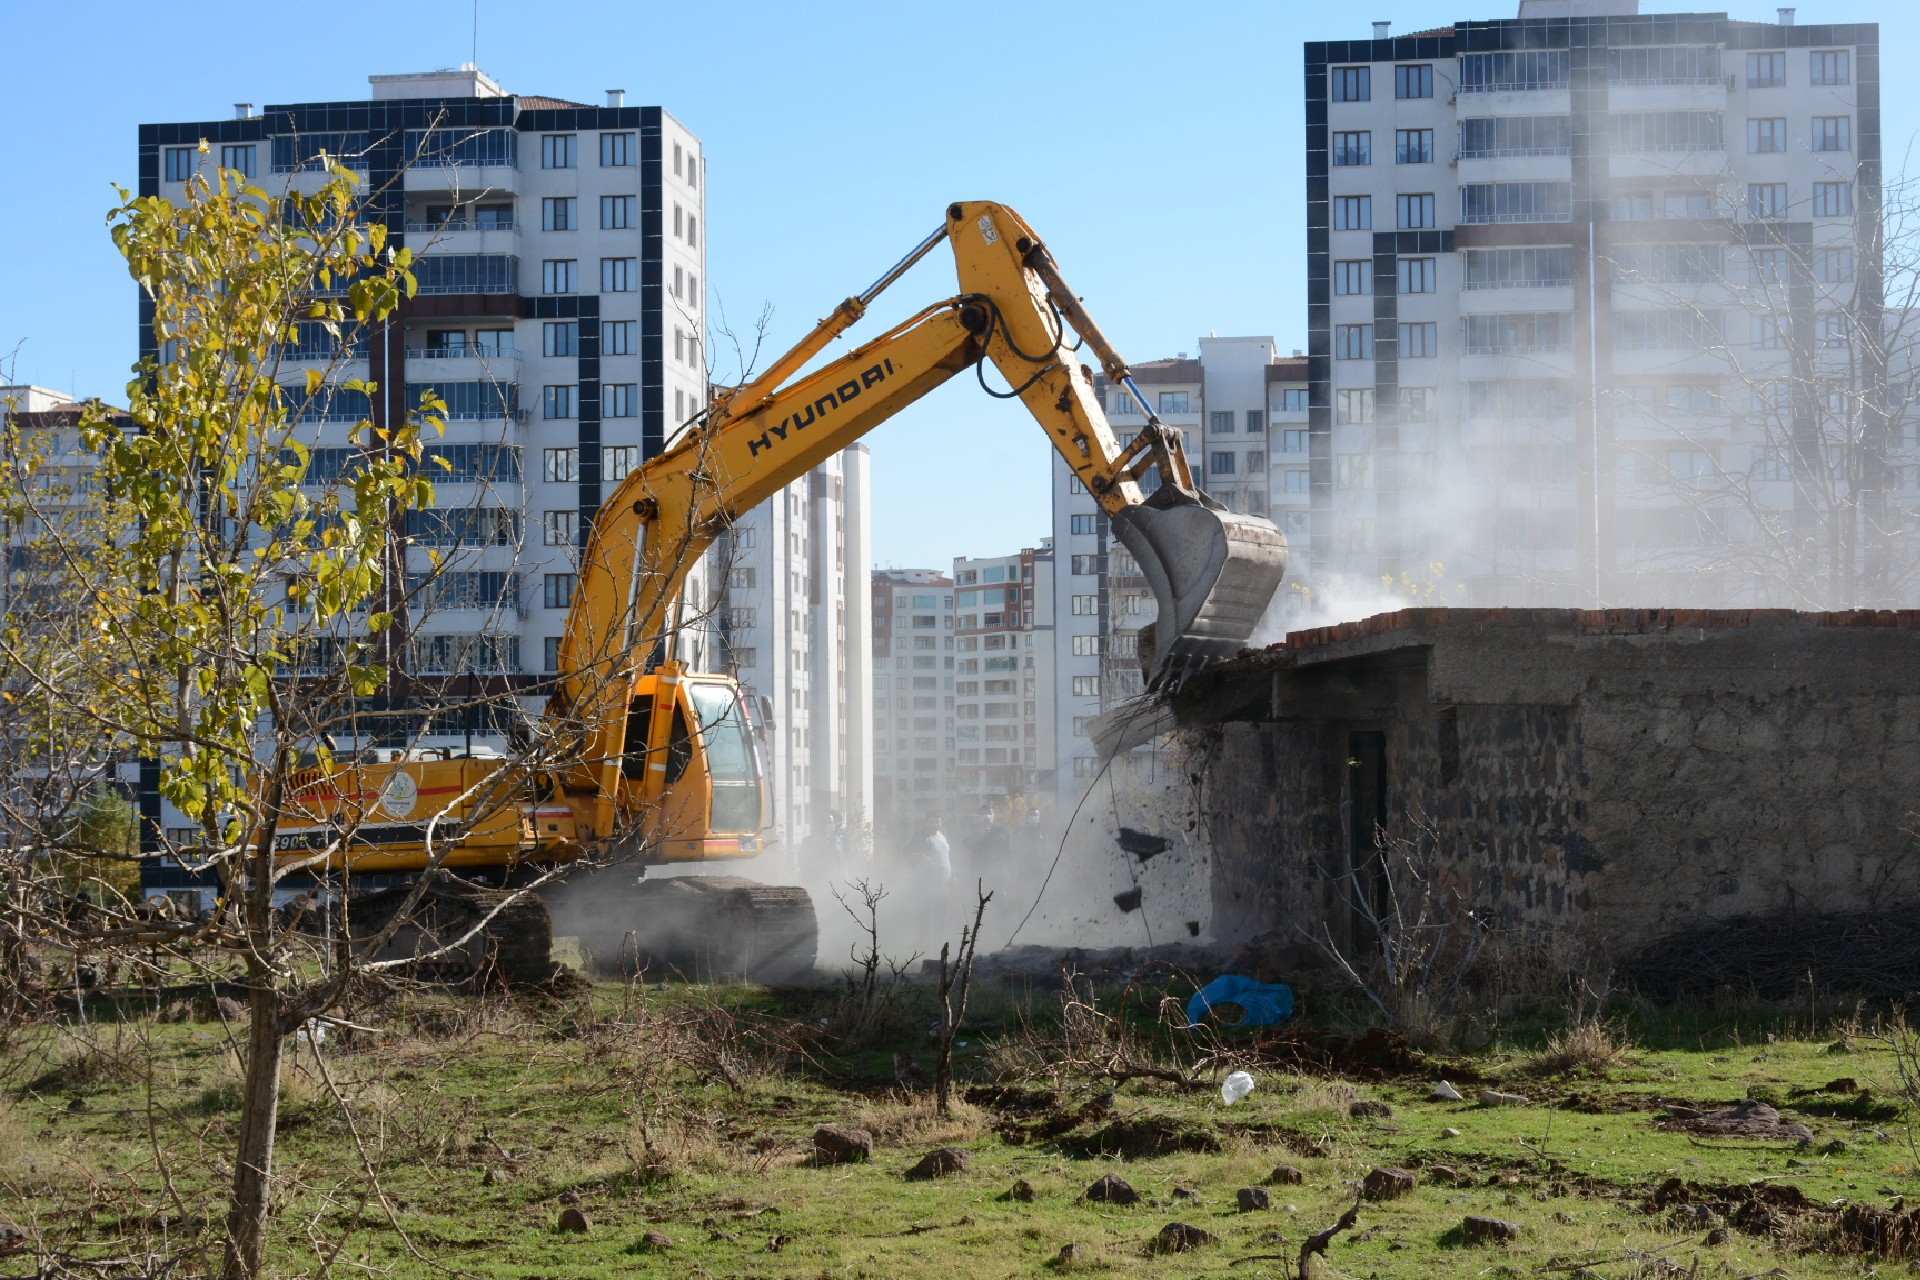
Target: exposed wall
[1609,777]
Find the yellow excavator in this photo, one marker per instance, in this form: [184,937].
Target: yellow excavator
[652,763]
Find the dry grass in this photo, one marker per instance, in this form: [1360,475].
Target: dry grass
[1586,1048]
[913,1120]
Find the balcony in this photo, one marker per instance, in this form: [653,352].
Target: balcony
[456,226]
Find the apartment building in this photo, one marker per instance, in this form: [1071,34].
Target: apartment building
[1003,691]
[913,700]
[1595,311]
[1240,408]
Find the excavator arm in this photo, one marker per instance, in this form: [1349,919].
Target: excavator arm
[1212,572]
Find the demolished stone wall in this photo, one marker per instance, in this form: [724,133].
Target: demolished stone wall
[1607,778]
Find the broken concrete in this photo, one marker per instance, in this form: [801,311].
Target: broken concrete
[1591,778]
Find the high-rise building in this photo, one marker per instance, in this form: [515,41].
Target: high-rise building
[1003,690]
[1595,310]
[913,714]
[793,614]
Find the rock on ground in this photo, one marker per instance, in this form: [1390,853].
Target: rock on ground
[1478,1230]
[13,1239]
[1367,1107]
[574,1221]
[1285,1175]
[1746,1119]
[1113,1190]
[834,1144]
[1252,1198]
[1388,1184]
[1022,1191]
[1495,1098]
[1444,1092]
[656,1242]
[1178,1237]
[940,1162]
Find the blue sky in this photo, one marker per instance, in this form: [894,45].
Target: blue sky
[1156,147]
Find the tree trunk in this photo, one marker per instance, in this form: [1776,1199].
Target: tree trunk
[250,1200]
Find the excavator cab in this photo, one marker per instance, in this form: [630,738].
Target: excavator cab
[693,787]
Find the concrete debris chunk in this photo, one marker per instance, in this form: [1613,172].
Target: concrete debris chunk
[1495,1098]
[1444,1092]
[1388,1184]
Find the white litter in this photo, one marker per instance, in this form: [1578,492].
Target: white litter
[1235,1087]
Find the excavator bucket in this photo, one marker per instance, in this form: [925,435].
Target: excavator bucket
[1213,573]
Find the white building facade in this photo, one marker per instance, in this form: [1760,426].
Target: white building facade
[913,701]
[1004,713]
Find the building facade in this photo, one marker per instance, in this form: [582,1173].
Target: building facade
[1595,311]
[913,697]
[1004,717]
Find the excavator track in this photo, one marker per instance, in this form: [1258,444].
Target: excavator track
[701,928]
[511,942]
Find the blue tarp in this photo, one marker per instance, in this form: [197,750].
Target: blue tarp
[1267,1003]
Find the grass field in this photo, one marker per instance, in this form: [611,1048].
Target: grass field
[679,1121]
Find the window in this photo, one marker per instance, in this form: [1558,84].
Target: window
[1491,202]
[559,275]
[181,162]
[1494,136]
[1517,333]
[616,337]
[1294,480]
[1832,199]
[1220,463]
[616,150]
[1678,330]
[1769,463]
[1354,276]
[1083,524]
[1833,266]
[560,401]
[560,527]
[1351,84]
[557,151]
[1086,564]
[1513,72]
[1293,441]
[1767,333]
[620,400]
[1220,422]
[1352,407]
[1767,135]
[1668,131]
[616,275]
[616,213]
[1256,463]
[1353,213]
[550,653]
[1419,341]
[557,213]
[241,159]
[1416,404]
[1691,464]
[560,338]
[738,619]
[1417,275]
[559,466]
[1687,204]
[1767,70]
[1086,686]
[1767,199]
[693,232]
[1086,646]
[1413,212]
[1353,342]
[1353,471]
[559,590]
[1413,146]
[1352,148]
[750,657]
[1669,263]
[1767,266]
[1833,133]
[1832,330]
[1256,421]
[1086,606]
[1829,66]
[1413,82]
[1174,402]
[1293,400]
[1657,66]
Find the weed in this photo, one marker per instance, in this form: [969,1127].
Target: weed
[1586,1048]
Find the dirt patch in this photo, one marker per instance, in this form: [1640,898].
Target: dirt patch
[1744,1119]
[1142,1138]
[1892,1234]
[1023,1126]
[1861,1106]
[1759,1208]
[1378,1055]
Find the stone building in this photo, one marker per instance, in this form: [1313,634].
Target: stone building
[1608,779]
